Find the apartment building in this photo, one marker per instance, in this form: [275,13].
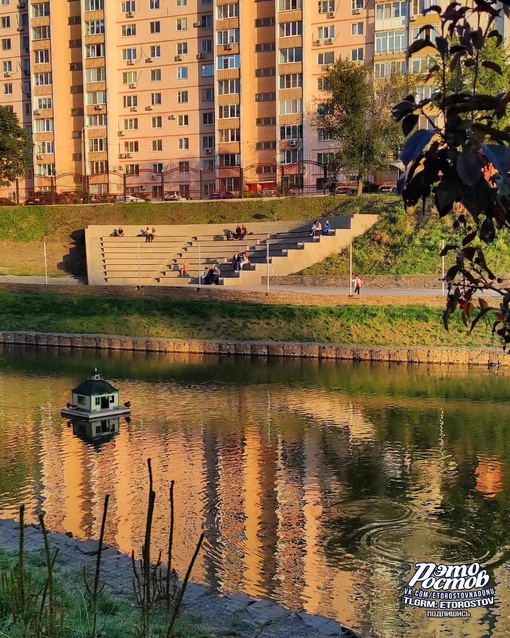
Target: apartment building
[187,95]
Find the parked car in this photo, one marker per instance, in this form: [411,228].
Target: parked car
[6,202]
[171,197]
[222,195]
[130,199]
[387,188]
[346,189]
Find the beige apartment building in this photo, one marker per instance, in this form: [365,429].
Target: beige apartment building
[196,96]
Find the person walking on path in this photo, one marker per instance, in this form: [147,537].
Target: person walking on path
[357,284]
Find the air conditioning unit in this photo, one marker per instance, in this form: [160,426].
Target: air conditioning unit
[7,74]
[36,112]
[133,109]
[120,133]
[229,47]
[132,85]
[148,108]
[98,107]
[197,23]
[328,41]
[293,143]
[317,42]
[412,19]
[171,117]
[331,14]
[130,14]
[178,58]
[131,62]
[200,56]
[154,177]
[127,155]
[148,60]
[21,28]
[356,11]
[22,5]
[121,155]
[208,151]
[39,157]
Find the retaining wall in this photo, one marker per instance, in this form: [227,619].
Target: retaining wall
[449,356]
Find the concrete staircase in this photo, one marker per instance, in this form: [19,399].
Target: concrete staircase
[130,260]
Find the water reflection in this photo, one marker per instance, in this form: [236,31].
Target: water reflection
[319,483]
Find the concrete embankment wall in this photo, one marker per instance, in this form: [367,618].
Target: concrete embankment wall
[447,356]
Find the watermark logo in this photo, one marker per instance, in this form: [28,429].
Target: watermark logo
[449,591]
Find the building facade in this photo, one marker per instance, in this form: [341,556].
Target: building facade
[193,96]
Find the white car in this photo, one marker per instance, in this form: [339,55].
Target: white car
[130,199]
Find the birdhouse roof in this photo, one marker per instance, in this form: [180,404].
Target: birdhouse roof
[95,385]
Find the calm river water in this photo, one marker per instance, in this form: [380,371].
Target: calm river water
[319,484]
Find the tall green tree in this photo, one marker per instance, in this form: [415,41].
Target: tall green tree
[357,119]
[16,147]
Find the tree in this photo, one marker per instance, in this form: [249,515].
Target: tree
[463,159]
[15,147]
[353,116]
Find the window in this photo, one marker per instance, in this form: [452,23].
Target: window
[157,145]
[229,61]
[266,146]
[182,73]
[228,87]
[182,97]
[357,28]
[157,122]
[131,124]
[357,55]
[397,67]
[129,77]
[291,81]
[228,36]
[128,55]
[290,156]
[97,74]
[426,35]
[132,169]
[157,168]
[265,121]
[425,92]
[45,147]
[228,11]
[325,158]
[131,147]
[6,44]
[44,125]
[388,10]
[156,99]
[206,21]
[230,135]
[357,5]
[6,23]
[96,120]
[42,79]
[326,58]
[130,100]
[7,88]
[154,4]
[294,132]
[294,54]
[265,46]
[206,46]
[183,167]
[128,6]
[76,89]
[182,48]
[208,118]
[323,135]
[42,56]
[288,29]
[74,20]
[291,106]
[419,65]
[94,27]
[228,111]
[207,70]
[265,97]
[46,170]
[99,167]
[229,159]
[44,103]
[326,6]
[96,97]
[95,50]
[94,5]
[182,24]
[98,145]
[128,30]
[323,84]
[77,112]
[207,95]
[324,33]
[7,66]
[265,22]
[75,66]
[208,141]
[75,44]
[289,5]
[41,10]
[266,72]
[183,120]
[183,143]
[155,27]
[155,51]
[390,41]
[181,3]
[156,75]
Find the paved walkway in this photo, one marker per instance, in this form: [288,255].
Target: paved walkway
[232,614]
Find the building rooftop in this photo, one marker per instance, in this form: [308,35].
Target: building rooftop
[94,385]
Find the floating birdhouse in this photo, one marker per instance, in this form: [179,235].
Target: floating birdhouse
[95,398]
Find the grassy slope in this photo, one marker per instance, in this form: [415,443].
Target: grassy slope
[354,325]
[406,244]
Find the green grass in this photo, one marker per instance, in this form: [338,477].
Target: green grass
[407,243]
[117,616]
[351,324]
[35,223]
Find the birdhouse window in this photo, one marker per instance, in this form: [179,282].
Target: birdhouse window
[112,399]
[81,400]
[97,401]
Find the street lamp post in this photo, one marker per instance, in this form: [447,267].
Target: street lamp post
[84,163]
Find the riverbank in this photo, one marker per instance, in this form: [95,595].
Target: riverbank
[206,613]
